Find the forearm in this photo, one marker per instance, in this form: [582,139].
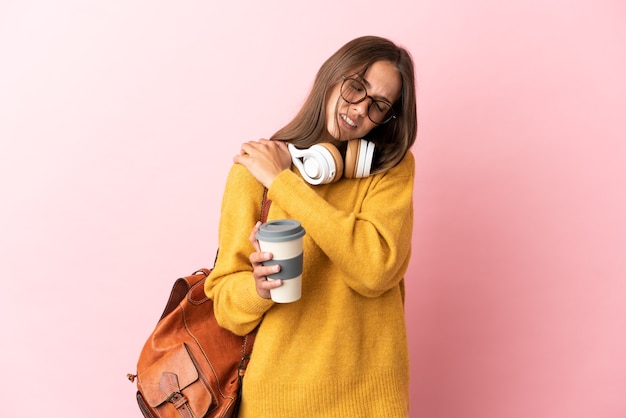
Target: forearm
[369,241]
[237,305]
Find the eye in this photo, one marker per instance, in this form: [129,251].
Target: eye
[356,86]
[381,107]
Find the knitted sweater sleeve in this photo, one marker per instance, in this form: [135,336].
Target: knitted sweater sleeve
[236,304]
[370,243]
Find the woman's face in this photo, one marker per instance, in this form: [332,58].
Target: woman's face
[347,121]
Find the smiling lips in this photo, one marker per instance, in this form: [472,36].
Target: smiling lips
[348,120]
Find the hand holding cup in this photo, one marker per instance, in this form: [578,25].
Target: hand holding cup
[283,239]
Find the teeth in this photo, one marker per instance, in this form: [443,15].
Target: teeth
[348,121]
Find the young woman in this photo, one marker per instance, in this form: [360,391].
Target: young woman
[341,350]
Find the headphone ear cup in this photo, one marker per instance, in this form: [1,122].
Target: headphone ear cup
[336,161]
[359,157]
[368,158]
[319,164]
[352,158]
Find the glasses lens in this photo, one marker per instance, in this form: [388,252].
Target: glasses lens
[352,91]
[379,112]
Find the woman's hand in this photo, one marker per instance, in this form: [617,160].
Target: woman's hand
[264,159]
[260,272]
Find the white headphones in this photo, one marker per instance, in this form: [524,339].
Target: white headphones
[322,163]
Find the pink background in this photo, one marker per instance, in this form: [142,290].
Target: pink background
[118,121]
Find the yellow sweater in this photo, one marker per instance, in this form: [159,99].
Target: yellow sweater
[341,350]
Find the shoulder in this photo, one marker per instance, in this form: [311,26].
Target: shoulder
[408,162]
[405,168]
[395,181]
[241,184]
[239,176]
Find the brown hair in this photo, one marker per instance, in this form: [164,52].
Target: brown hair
[392,139]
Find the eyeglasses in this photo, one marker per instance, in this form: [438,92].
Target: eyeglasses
[353,91]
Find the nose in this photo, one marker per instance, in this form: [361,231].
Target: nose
[362,107]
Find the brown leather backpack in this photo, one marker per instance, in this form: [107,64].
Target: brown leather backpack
[190,367]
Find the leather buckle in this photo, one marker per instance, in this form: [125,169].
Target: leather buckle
[174,397]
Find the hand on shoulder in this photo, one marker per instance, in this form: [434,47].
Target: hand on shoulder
[265,159]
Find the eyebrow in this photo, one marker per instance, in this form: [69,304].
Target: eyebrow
[368,86]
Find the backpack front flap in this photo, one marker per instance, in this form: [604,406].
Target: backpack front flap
[172,381]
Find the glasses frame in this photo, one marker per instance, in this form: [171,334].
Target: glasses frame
[392,114]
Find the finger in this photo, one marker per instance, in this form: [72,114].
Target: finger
[269,284]
[240,159]
[257,258]
[262,145]
[252,238]
[264,284]
[247,148]
[263,272]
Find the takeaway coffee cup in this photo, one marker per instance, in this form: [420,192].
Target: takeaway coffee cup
[283,238]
